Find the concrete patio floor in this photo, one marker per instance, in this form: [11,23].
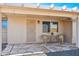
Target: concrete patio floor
[36,49]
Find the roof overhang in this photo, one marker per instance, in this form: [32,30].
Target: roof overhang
[36,11]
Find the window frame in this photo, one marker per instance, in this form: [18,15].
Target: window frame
[56,23]
[50,26]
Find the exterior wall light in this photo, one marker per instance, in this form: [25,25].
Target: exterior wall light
[38,21]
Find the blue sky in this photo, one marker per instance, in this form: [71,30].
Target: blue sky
[69,5]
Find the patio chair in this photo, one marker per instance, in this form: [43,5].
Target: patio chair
[45,38]
[57,37]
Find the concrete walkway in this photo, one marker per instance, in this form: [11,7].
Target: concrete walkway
[35,49]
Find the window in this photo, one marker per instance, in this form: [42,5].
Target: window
[50,27]
[46,27]
[4,23]
[54,27]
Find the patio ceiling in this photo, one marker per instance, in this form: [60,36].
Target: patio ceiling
[72,7]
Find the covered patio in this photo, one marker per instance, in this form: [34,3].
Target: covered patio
[27,25]
[30,42]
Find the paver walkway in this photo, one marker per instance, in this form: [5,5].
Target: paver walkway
[36,49]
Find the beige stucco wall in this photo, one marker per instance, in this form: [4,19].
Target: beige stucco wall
[16,29]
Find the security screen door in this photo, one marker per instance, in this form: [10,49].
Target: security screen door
[31,31]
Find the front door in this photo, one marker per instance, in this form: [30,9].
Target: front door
[31,31]
[68,31]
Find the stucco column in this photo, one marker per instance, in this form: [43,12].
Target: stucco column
[74,29]
[77,41]
[0,34]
